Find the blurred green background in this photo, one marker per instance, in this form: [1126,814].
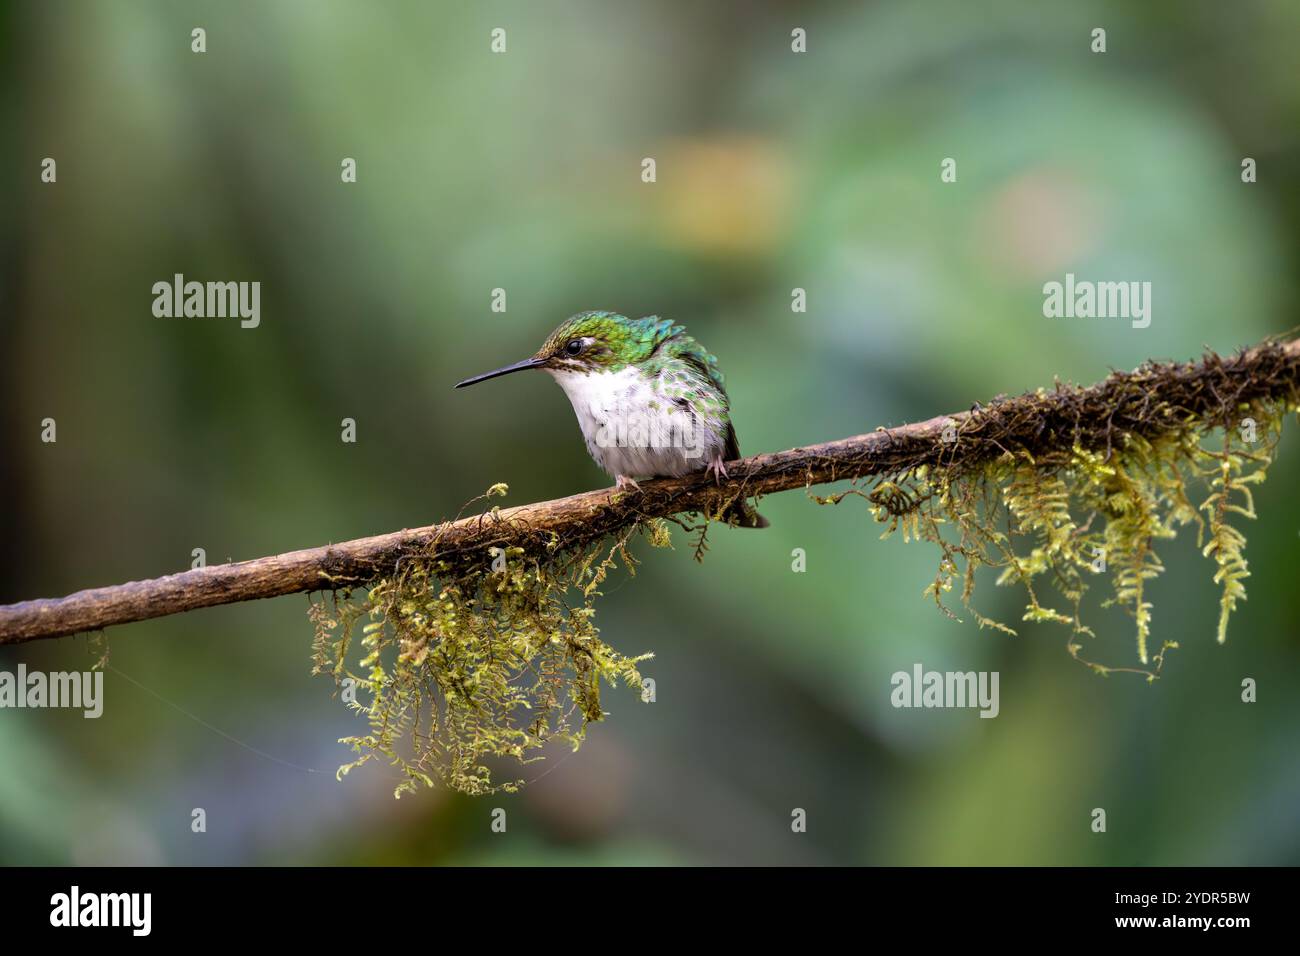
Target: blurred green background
[521,171]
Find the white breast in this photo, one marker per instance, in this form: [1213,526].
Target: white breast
[632,428]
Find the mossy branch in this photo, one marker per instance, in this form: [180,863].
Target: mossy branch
[1154,401]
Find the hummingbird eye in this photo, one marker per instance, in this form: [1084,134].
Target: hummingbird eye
[574,346]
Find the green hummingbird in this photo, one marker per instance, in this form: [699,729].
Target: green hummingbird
[649,399]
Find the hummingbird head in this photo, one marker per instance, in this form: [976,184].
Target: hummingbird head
[587,343]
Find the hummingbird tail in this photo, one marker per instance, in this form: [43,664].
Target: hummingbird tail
[743,515]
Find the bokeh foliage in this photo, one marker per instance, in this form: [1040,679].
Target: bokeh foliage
[776,171]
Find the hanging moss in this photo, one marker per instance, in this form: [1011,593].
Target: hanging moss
[465,661]
[1064,519]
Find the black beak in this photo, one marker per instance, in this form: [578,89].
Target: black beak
[517,367]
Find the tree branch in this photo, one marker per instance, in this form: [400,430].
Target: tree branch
[1154,398]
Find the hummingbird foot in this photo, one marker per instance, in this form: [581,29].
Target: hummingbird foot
[625,483]
[717,469]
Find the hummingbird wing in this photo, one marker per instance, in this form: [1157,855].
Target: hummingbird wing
[698,357]
[732,449]
[670,341]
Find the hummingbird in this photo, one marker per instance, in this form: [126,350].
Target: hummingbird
[649,398]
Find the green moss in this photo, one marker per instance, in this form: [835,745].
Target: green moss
[1057,523]
[464,662]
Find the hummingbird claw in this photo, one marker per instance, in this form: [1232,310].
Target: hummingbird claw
[718,469]
[625,483]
